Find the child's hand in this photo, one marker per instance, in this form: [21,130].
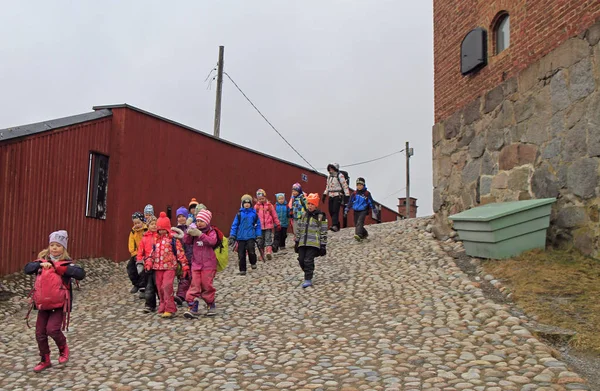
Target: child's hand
[46,265]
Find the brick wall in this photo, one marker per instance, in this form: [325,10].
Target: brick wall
[536,28]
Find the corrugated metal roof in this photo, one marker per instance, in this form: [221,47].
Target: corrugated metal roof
[39,127]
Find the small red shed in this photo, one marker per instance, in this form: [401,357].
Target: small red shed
[88,173]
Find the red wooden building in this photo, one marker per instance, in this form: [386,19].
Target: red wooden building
[88,173]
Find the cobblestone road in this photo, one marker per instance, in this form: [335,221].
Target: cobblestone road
[392,313]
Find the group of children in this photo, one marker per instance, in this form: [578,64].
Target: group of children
[160,252]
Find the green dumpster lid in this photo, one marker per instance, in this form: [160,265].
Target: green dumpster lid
[494,211]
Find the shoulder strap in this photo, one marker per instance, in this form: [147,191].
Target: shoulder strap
[340,181]
[174,246]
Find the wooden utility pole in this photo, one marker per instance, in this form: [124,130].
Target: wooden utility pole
[407,152]
[217,132]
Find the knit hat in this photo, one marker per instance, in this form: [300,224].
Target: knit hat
[200,207]
[261,193]
[149,210]
[163,222]
[313,198]
[298,187]
[137,215]
[204,215]
[246,197]
[192,202]
[151,219]
[61,237]
[182,211]
[360,181]
[279,195]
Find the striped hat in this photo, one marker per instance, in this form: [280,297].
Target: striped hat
[204,215]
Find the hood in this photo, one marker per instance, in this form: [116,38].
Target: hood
[335,166]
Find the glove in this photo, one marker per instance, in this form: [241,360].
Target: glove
[322,251]
[323,198]
[194,232]
[232,241]
[148,265]
[140,267]
[185,271]
[345,213]
[296,247]
[260,241]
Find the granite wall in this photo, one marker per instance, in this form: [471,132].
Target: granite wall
[536,135]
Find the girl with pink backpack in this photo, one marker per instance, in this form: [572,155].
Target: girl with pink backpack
[268,223]
[52,296]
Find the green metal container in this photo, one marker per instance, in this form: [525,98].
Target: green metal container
[504,229]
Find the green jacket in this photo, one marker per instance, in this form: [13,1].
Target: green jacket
[312,230]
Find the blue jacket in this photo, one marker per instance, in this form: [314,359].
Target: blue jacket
[360,200]
[283,212]
[246,225]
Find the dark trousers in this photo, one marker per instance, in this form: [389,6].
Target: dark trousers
[249,246]
[359,223]
[335,204]
[306,259]
[151,290]
[48,324]
[134,277]
[280,238]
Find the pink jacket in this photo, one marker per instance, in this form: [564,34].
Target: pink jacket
[267,215]
[204,257]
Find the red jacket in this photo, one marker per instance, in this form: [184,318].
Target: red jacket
[156,251]
[267,215]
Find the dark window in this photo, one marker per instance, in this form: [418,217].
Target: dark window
[502,33]
[473,51]
[97,186]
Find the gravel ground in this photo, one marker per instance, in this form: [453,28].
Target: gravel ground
[392,313]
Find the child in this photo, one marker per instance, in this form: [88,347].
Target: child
[148,212]
[164,264]
[135,237]
[311,238]
[283,213]
[49,321]
[145,252]
[245,230]
[182,227]
[203,238]
[194,208]
[268,222]
[297,205]
[360,201]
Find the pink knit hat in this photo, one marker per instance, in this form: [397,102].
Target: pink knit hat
[204,215]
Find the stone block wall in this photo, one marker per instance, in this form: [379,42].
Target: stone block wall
[536,135]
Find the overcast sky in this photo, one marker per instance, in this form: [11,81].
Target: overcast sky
[343,81]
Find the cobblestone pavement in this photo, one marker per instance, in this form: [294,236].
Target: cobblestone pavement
[391,313]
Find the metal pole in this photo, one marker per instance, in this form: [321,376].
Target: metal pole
[217,131]
[407,203]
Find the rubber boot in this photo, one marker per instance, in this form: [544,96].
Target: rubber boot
[64,354]
[44,363]
[269,252]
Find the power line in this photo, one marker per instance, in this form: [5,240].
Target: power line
[394,193]
[265,118]
[370,161]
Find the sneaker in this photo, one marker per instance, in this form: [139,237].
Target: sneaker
[357,238]
[306,283]
[212,310]
[167,315]
[335,228]
[242,273]
[192,311]
[253,266]
[142,290]
[134,289]
[142,295]
[148,310]
[178,300]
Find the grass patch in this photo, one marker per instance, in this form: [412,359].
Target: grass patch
[560,287]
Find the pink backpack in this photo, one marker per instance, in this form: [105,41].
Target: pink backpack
[50,292]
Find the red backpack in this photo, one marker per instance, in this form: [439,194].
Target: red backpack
[50,292]
[219,243]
